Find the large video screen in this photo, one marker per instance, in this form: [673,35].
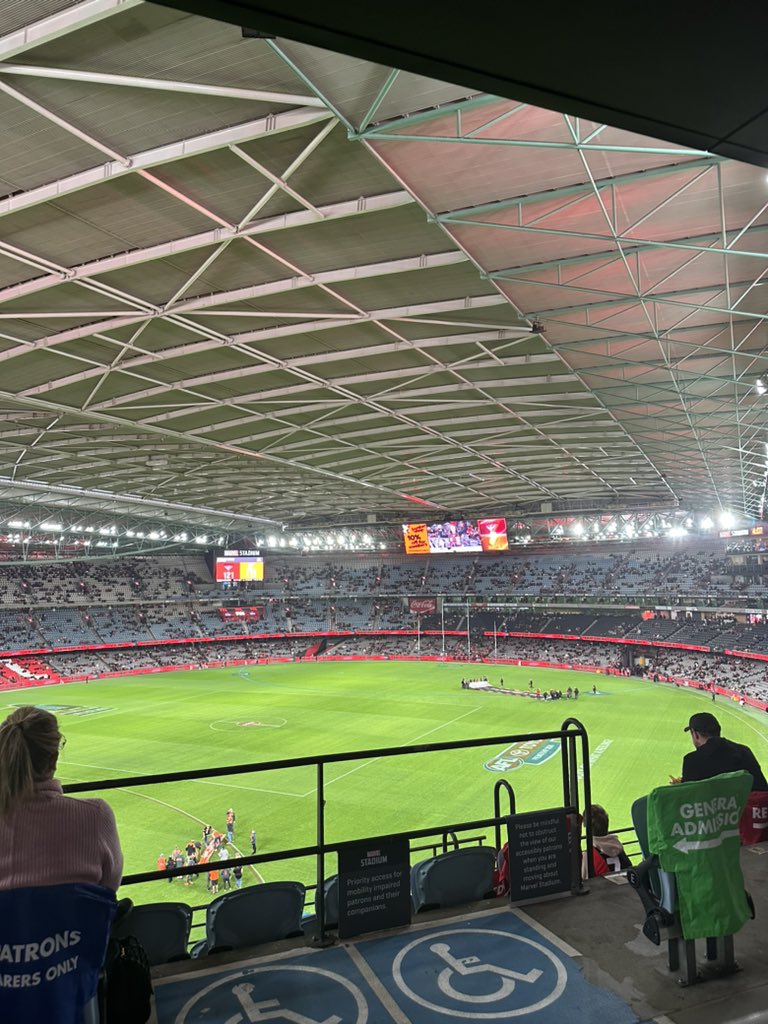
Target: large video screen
[463,535]
[441,538]
[493,534]
[238,567]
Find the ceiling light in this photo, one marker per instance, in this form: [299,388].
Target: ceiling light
[707,523]
[727,520]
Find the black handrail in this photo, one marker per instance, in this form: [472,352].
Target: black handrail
[453,838]
[502,784]
[570,731]
[303,762]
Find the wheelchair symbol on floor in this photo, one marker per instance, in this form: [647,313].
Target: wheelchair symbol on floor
[270,1009]
[278,992]
[461,966]
[468,967]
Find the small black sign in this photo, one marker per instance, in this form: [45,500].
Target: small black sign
[539,855]
[374,887]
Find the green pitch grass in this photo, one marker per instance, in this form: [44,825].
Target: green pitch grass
[185,720]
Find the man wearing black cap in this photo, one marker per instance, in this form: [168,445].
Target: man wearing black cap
[715,755]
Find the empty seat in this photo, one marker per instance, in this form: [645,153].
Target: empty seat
[459,876]
[248,917]
[162,929]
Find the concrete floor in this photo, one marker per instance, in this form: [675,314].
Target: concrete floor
[605,924]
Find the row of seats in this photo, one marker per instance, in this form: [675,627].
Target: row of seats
[275,910]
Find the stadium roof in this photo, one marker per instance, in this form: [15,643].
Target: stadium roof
[254,276]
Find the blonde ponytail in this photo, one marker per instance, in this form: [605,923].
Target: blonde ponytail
[29,745]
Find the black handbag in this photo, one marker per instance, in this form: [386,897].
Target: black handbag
[128,982]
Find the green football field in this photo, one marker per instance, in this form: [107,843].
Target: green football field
[190,720]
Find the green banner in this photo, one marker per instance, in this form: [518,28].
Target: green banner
[694,829]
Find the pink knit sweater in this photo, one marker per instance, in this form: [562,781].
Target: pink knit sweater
[52,839]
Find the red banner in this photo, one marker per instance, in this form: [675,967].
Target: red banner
[422,605]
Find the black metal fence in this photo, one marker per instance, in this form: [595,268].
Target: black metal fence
[576,792]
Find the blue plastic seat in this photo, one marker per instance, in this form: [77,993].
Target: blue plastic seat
[249,917]
[162,929]
[459,876]
[331,897]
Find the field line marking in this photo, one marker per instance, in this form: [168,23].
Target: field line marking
[739,716]
[421,736]
[194,817]
[205,782]
[253,866]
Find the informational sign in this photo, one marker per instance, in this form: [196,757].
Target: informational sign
[374,887]
[539,855]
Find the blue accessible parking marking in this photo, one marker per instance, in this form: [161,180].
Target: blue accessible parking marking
[487,967]
[493,968]
[310,988]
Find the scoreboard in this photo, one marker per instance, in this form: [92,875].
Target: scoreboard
[238,566]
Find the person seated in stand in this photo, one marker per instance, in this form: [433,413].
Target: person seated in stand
[714,754]
[608,854]
[47,838]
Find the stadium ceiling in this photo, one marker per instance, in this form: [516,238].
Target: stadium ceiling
[250,277]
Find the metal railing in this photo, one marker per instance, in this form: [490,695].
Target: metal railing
[574,760]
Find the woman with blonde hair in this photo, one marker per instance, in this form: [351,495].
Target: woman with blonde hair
[47,838]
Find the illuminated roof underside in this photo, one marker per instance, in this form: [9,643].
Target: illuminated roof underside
[243,275]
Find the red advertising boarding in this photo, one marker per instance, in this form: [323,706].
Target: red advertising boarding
[241,613]
[422,605]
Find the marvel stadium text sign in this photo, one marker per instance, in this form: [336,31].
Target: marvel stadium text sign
[539,855]
[374,887]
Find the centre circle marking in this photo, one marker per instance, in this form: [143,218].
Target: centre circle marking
[256,722]
[557,991]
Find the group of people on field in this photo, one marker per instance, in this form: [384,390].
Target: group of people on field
[214,844]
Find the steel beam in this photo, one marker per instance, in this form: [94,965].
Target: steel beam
[629,244]
[189,351]
[245,132]
[162,85]
[71,19]
[62,123]
[547,195]
[217,236]
[380,134]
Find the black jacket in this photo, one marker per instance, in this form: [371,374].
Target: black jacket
[719,755]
